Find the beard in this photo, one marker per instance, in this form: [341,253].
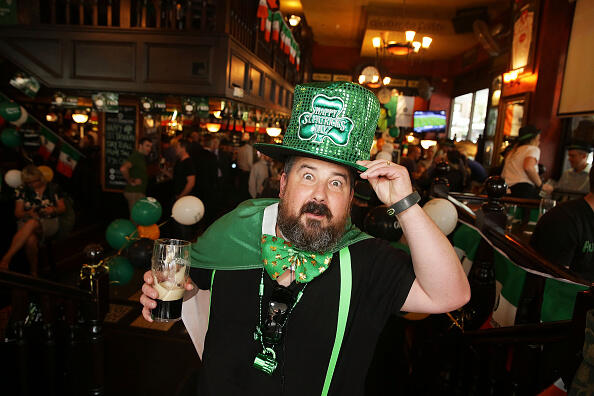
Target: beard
[311,236]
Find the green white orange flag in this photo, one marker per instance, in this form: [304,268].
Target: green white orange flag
[67,160]
[268,26]
[48,143]
[262,14]
[277,18]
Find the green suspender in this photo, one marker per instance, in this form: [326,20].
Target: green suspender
[210,297]
[346,283]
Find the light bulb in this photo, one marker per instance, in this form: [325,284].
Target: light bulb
[410,35]
[416,45]
[374,78]
[387,80]
[294,20]
[377,42]
[361,79]
[427,41]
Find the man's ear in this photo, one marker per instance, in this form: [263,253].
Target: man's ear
[283,184]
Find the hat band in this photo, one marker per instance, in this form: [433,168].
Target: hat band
[527,136]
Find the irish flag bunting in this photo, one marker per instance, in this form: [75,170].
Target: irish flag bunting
[558,297]
[48,143]
[277,17]
[67,160]
[268,26]
[262,14]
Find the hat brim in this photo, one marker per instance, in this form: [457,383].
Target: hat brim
[280,153]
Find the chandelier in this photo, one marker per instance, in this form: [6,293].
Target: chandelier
[371,75]
[401,48]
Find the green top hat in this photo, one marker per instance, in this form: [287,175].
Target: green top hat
[332,121]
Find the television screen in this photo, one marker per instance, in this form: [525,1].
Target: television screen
[429,121]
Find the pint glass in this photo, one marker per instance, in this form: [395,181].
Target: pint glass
[170,267]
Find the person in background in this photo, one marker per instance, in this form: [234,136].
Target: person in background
[245,161]
[184,172]
[260,172]
[135,173]
[565,234]
[37,207]
[410,161]
[576,179]
[521,165]
[428,159]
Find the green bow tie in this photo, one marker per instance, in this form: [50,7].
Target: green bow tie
[279,255]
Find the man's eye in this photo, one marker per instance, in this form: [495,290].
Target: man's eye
[336,183]
[308,176]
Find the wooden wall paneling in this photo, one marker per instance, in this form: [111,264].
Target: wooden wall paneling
[104,60]
[44,55]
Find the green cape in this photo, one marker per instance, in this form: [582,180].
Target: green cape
[233,241]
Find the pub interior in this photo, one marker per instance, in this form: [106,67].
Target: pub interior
[126,121]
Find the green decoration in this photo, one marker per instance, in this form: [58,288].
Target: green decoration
[120,233]
[10,111]
[120,270]
[394,132]
[278,255]
[333,121]
[147,211]
[11,138]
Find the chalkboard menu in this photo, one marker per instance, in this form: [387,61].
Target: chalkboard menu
[119,142]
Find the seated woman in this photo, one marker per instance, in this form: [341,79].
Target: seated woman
[38,203]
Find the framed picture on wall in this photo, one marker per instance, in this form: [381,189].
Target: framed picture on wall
[525,27]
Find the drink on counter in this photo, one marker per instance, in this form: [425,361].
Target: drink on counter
[170,266]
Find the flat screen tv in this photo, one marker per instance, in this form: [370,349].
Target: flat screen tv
[429,121]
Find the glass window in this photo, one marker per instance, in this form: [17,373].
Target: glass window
[479,113]
[460,117]
[469,112]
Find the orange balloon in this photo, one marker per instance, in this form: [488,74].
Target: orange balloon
[150,232]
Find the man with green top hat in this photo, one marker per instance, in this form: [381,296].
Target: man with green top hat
[298,295]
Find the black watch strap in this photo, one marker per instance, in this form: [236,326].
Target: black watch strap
[404,204]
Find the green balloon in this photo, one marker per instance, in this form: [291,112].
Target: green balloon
[10,111]
[147,211]
[394,132]
[120,270]
[11,138]
[117,231]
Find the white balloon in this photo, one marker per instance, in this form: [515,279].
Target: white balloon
[443,213]
[13,178]
[22,119]
[188,210]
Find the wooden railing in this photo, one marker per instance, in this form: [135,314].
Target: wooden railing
[63,353]
[505,360]
[158,14]
[237,18]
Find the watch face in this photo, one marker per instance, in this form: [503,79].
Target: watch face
[384,95]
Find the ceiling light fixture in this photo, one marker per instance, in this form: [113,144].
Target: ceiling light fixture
[426,41]
[386,80]
[410,35]
[80,117]
[294,20]
[416,46]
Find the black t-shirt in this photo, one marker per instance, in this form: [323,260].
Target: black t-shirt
[382,277]
[565,236]
[181,171]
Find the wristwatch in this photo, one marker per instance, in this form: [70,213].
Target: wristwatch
[404,204]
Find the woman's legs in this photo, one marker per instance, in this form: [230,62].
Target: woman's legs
[19,240]
[31,250]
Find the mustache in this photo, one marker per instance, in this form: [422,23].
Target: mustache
[318,209]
